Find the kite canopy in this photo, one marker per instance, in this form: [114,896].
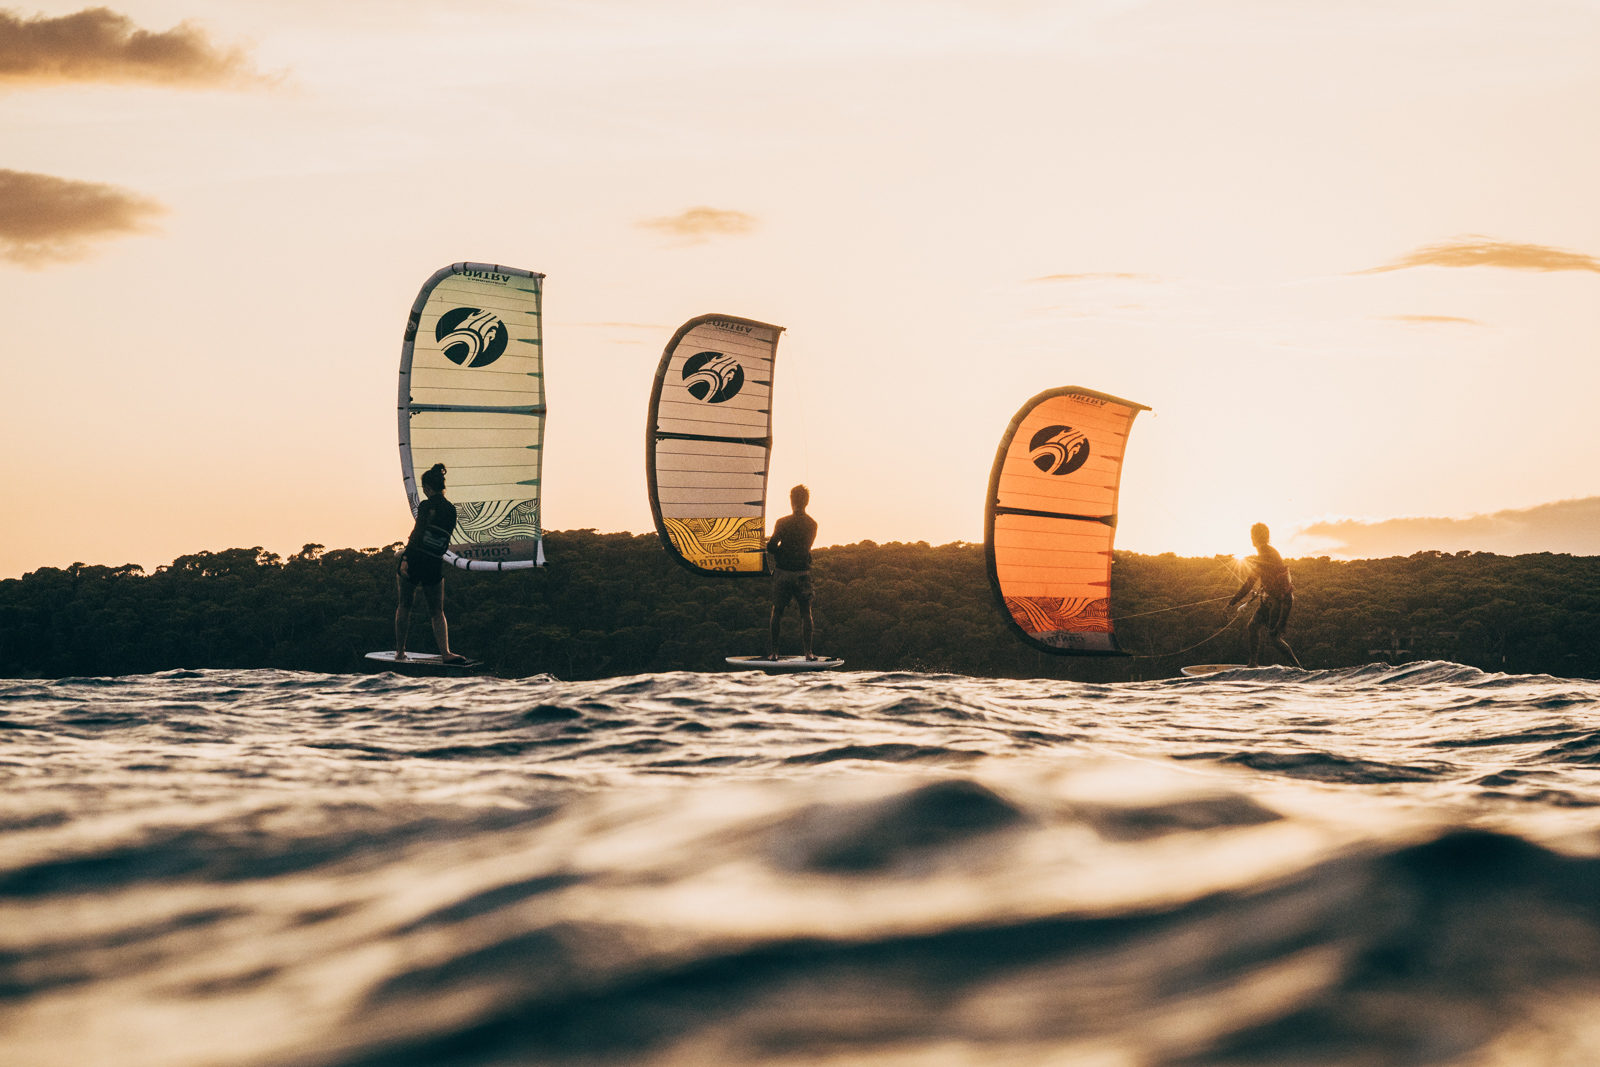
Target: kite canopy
[472,398]
[708,436]
[1051,518]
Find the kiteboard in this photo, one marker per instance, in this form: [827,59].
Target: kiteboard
[1206,670]
[422,662]
[784,664]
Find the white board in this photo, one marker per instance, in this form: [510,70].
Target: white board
[1205,670]
[429,660]
[784,664]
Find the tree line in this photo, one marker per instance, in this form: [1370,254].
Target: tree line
[614,604]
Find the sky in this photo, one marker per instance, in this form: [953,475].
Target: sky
[1346,251]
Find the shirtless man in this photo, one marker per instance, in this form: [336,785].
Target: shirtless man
[1267,577]
[790,545]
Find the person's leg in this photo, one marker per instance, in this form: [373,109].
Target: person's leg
[405,593]
[777,624]
[1283,646]
[1261,622]
[804,608]
[1280,624]
[441,628]
[780,600]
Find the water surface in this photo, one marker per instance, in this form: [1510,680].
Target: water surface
[1370,866]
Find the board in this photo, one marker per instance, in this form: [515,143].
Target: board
[785,664]
[428,662]
[1206,670]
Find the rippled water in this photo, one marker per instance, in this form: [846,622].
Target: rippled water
[1373,866]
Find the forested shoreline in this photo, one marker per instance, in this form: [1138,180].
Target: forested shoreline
[614,604]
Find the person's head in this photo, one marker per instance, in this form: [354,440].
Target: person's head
[1259,534]
[433,479]
[799,497]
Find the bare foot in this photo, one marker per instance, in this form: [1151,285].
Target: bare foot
[810,658]
[452,657]
[400,656]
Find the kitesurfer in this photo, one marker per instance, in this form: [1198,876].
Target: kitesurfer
[422,564]
[790,545]
[1267,578]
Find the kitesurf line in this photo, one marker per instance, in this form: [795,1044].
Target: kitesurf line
[1164,655]
[1175,607]
[1191,648]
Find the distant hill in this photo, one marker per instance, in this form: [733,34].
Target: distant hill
[613,604]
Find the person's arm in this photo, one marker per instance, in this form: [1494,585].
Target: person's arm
[1246,587]
[1244,591]
[777,536]
[416,528]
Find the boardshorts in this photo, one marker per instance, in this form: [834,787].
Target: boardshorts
[1273,613]
[790,585]
[423,570]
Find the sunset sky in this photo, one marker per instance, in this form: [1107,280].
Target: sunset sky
[1345,250]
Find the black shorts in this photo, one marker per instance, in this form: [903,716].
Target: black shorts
[422,570]
[1273,613]
[790,585]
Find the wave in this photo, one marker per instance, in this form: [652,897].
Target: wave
[1385,865]
[1097,910]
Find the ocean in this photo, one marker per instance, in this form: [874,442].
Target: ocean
[1374,866]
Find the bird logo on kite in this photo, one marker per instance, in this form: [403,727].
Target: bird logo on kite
[712,377]
[471,337]
[1059,449]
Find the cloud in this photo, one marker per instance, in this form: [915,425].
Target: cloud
[1425,320]
[1473,250]
[701,223]
[45,219]
[1099,276]
[100,45]
[1564,526]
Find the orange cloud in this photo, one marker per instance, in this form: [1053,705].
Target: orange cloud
[45,219]
[1473,250]
[1448,320]
[701,223]
[100,45]
[1564,526]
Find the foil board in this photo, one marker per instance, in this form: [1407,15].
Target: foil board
[421,662]
[1205,670]
[785,664]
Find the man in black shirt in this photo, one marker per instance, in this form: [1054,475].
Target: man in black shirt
[422,564]
[790,545]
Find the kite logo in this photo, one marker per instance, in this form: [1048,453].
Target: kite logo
[712,377]
[1059,449]
[471,337]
